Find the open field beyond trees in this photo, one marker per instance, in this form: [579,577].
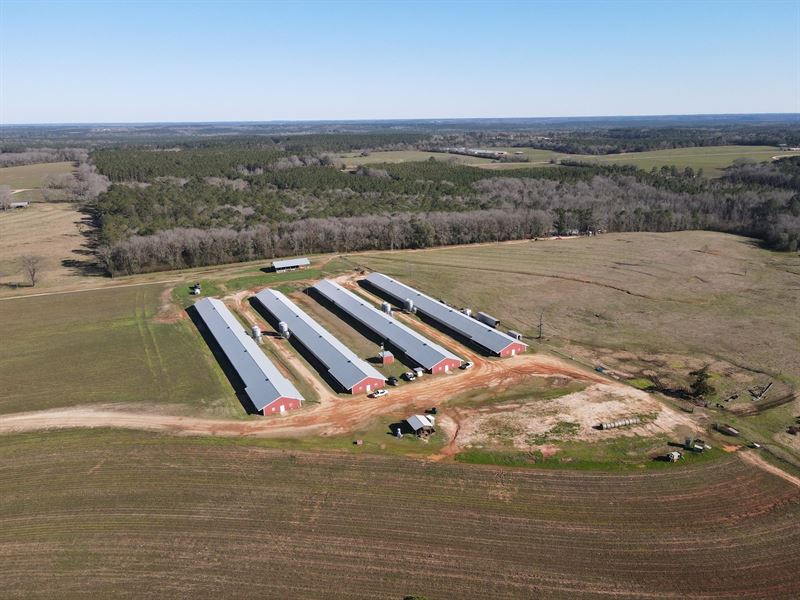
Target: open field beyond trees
[129,515]
[57,232]
[712,159]
[32,178]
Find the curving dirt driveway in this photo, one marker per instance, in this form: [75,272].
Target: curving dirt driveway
[335,415]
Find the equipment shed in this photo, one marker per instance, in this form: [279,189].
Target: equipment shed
[486,337]
[290,264]
[351,372]
[268,390]
[420,350]
[420,424]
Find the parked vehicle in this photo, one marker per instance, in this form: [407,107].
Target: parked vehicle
[409,376]
[467,365]
[379,393]
[392,380]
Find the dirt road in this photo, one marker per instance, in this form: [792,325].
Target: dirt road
[756,460]
[335,415]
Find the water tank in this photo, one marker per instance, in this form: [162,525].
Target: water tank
[467,311]
[409,305]
[283,329]
[386,307]
[256,333]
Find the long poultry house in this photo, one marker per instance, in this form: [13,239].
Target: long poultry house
[350,372]
[486,337]
[428,355]
[268,390]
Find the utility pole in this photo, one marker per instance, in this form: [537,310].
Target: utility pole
[541,325]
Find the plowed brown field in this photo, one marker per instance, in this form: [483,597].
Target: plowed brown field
[132,515]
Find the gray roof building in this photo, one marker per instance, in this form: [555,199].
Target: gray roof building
[352,373]
[419,349]
[481,334]
[264,384]
[291,263]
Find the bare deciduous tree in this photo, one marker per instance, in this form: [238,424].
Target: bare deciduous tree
[32,265]
[5,197]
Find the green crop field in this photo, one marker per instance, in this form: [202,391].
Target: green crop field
[105,346]
[127,515]
[32,176]
[712,159]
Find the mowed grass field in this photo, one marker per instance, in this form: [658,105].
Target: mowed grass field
[643,304]
[353,159]
[31,177]
[125,515]
[712,159]
[105,347]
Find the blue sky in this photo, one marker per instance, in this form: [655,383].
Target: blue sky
[70,62]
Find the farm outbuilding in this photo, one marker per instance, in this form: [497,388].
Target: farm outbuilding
[486,337]
[290,264]
[341,364]
[386,357]
[417,348]
[268,390]
[421,424]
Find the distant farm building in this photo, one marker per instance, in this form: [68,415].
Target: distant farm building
[268,390]
[420,350]
[481,334]
[339,362]
[290,265]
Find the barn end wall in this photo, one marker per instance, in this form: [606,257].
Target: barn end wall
[372,382]
[274,407]
[512,350]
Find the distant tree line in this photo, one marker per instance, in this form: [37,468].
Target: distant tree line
[30,156]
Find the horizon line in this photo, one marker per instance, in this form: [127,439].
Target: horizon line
[396,120]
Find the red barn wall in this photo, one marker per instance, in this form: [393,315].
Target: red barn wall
[274,408]
[372,382]
[517,348]
[447,362]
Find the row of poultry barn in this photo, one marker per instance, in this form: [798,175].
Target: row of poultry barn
[270,392]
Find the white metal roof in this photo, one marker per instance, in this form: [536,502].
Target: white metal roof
[480,333]
[418,348]
[342,363]
[290,263]
[417,422]
[263,382]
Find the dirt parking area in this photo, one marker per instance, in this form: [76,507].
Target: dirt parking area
[574,416]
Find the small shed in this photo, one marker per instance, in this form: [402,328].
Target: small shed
[422,425]
[386,357]
[290,265]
